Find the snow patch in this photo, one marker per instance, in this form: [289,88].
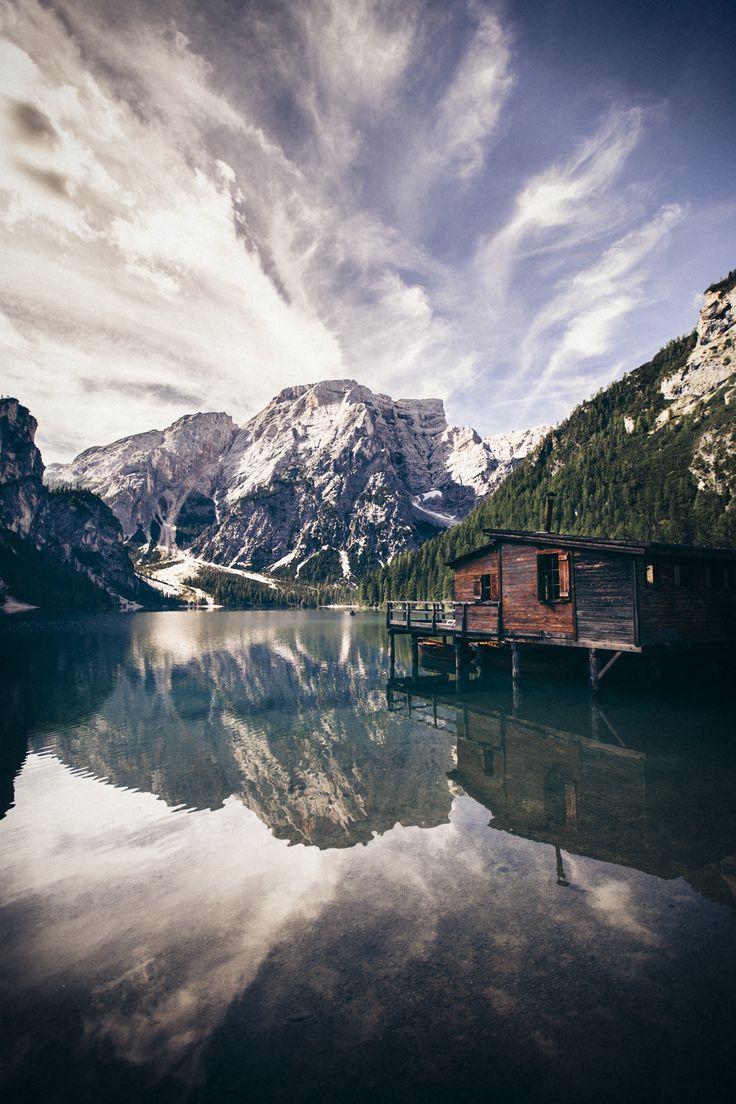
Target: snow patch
[446,521]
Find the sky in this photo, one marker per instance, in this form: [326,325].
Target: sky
[504,205]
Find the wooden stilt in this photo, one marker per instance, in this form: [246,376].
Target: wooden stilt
[594,664]
[458,663]
[414,657]
[391,656]
[515,662]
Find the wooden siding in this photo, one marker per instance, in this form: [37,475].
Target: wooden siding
[481,616]
[688,614]
[604,593]
[523,613]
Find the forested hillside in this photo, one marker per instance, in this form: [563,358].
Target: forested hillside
[649,457]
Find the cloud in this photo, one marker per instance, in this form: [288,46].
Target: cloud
[571,201]
[581,318]
[213,208]
[31,123]
[470,110]
[125,259]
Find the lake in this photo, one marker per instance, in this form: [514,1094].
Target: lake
[236,865]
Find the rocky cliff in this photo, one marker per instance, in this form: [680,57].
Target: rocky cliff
[61,548]
[325,482]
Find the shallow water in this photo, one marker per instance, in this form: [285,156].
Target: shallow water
[236,865]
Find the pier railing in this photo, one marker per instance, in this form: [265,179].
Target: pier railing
[431,616]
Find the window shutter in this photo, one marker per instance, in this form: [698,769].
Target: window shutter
[494,586]
[564,561]
[476,586]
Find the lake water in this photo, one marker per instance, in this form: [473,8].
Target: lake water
[236,866]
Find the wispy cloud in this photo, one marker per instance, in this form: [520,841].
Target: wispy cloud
[471,109]
[197,209]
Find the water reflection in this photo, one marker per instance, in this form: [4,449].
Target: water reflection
[237,869]
[257,709]
[553,766]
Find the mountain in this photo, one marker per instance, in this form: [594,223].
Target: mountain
[327,481]
[58,549]
[157,480]
[653,456]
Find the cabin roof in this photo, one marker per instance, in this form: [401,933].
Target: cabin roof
[604,544]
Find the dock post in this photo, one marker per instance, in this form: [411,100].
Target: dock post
[458,663]
[414,657]
[594,664]
[515,662]
[391,656]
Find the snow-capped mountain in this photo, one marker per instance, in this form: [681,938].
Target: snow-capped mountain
[327,481]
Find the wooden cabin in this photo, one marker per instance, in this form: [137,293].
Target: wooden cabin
[586,592]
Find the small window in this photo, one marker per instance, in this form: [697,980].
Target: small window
[652,574]
[553,576]
[677,574]
[485,587]
[708,575]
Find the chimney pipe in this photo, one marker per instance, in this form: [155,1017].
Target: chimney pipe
[549,500]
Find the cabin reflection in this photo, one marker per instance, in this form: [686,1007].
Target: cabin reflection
[559,787]
[558,771]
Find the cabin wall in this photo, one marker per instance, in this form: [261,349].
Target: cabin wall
[523,613]
[604,596]
[687,614]
[481,616]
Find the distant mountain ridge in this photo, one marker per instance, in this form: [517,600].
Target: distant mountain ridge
[653,456]
[326,482]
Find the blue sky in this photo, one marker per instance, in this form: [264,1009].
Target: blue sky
[503,205]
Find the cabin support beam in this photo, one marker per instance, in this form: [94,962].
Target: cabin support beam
[616,656]
[598,673]
[515,662]
[415,657]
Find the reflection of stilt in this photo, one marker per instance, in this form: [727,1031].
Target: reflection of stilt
[561,879]
[459,669]
[414,657]
[515,697]
[391,656]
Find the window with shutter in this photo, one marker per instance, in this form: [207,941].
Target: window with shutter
[553,576]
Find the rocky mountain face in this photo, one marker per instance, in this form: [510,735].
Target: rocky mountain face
[57,548]
[157,479]
[327,481]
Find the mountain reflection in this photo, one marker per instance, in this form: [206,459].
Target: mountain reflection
[54,673]
[653,791]
[268,714]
